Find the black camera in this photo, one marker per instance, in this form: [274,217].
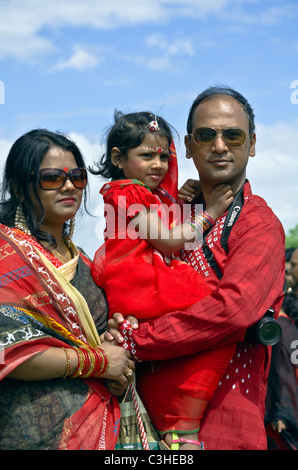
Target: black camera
[266,331]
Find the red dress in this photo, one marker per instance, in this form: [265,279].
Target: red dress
[140,281]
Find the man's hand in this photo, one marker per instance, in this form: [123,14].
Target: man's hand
[112,333]
[279,426]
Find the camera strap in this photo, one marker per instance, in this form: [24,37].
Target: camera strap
[231,218]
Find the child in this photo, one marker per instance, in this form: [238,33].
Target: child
[140,280]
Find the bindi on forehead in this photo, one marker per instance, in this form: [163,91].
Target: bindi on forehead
[158,149]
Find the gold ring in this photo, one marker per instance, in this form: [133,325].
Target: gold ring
[129,374]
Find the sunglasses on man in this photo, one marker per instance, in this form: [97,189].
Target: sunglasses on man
[54,178]
[204,136]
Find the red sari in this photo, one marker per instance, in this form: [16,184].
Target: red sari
[37,312]
[139,280]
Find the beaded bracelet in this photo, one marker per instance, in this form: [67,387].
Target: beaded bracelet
[207,221]
[201,222]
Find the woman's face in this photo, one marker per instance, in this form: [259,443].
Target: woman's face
[60,204]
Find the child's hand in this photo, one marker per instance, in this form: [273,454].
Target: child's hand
[219,200]
[189,190]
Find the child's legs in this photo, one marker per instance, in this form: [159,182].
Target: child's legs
[177,391]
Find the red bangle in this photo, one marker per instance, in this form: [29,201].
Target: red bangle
[92,362]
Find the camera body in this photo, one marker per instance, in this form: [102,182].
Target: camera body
[266,331]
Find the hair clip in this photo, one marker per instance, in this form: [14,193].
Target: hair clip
[153,126]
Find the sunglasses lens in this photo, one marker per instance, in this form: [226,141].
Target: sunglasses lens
[234,137]
[204,135]
[78,177]
[51,178]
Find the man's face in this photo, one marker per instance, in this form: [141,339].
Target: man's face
[293,271]
[219,162]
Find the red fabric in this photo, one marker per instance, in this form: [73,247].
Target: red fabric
[29,286]
[138,281]
[252,282]
[176,392]
[128,265]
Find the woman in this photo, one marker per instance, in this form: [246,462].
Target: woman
[52,394]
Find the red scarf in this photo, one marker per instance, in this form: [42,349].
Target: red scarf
[29,290]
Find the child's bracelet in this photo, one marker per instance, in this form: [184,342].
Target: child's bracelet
[207,220]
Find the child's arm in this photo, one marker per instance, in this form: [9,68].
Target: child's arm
[150,226]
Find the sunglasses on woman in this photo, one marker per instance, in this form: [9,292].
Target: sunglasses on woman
[206,135]
[54,178]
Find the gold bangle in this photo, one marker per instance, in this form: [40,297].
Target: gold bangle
[67,364]
[80,368]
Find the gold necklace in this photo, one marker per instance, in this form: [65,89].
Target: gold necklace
[62,257]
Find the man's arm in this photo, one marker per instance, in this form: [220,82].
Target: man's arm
[252,282]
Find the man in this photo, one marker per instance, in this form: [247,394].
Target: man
[252,278]
[281,413]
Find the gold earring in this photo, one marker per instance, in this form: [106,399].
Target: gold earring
[20,221]
[71,227]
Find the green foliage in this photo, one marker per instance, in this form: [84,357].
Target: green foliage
[292,238]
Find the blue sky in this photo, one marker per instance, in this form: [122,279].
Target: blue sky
[66,65]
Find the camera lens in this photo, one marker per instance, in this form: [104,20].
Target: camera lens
[269,331]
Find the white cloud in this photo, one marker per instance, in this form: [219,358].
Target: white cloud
[25,24]
[177,46]
[81,59]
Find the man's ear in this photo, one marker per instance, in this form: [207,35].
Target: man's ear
[187,140]
[252,148]
[116,157]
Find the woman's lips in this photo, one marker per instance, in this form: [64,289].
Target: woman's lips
[68,200]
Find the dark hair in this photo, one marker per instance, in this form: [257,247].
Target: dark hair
[23,161]
[128,132]
[222,90]
[290,306]
[288,253]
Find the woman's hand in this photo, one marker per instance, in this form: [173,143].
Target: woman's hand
[114,387]
[121,366]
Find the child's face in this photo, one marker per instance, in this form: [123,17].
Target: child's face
[149,162]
